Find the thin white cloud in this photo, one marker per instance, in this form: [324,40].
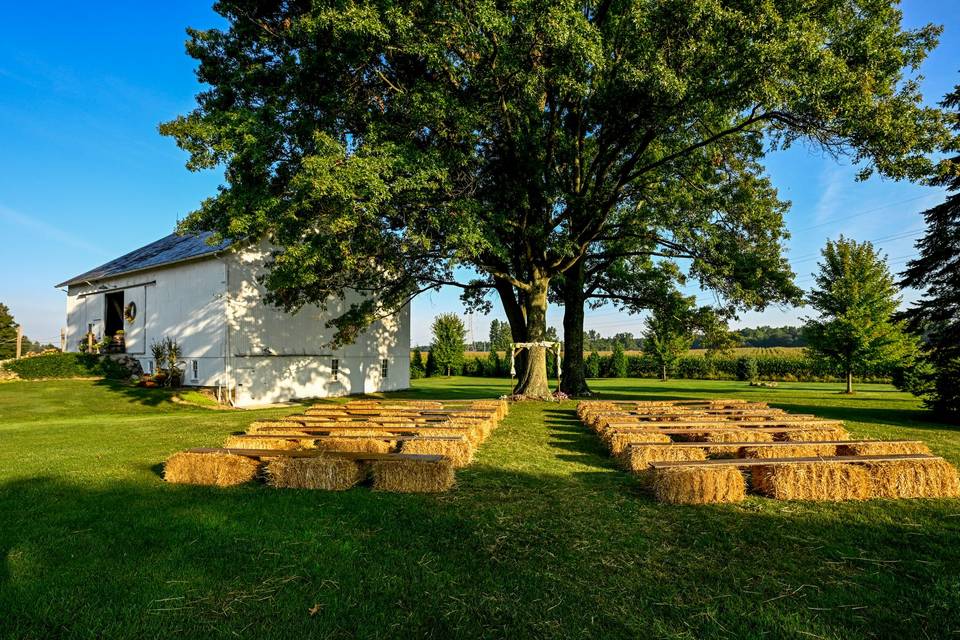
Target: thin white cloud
[47,231]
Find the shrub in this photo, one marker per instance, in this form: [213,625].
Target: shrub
[66,365]
[618,362]
[417,368]
[591,366]
[747,369]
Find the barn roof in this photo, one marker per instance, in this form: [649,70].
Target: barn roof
[165,251]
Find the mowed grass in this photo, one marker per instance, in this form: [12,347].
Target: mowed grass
[542,537]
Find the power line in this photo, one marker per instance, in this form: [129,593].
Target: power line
[859,214]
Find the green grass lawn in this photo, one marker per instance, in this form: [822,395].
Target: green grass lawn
[542,537]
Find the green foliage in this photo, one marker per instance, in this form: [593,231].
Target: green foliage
[856,298]
[384,145]
[747,369]
[668,333]
[617,367]
[449,343]
[67,365]
[591,365]
[431,366]
[168,358]
[417,367]
[937,273]
[8,333]
[500,336]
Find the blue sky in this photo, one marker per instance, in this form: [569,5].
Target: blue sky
[85,177]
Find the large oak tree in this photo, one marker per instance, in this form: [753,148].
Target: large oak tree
[381,145]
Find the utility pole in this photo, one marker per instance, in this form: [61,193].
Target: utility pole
[19,340]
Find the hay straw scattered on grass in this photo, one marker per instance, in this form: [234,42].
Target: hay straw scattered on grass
[699,485]
[791,451]
[618,442]
[922,478]
[854,448]
[412,476]
[324,472]
[637,458]
[813,435]
[813,481]
[359,445]
[264,442]
[218,469]
[459,451]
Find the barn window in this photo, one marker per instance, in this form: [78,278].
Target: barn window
[150,367]
[384,368]
[334,368]
[195,370]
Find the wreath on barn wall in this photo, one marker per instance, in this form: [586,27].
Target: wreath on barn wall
[130,312]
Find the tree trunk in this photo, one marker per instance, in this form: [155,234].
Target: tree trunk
[849,381]
[516,318]
[532,382]
[573,380]
[663,374]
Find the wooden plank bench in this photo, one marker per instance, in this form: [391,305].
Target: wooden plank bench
[760,462]
[768,444]
[743,424]
[314,453]
[294,436]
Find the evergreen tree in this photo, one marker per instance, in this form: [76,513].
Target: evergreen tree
[431,366]
[856,297]
[8,333]
[592,365]
[937,314]
[500,336]
[494,366]
[449,336]
[618,362]
[417,369]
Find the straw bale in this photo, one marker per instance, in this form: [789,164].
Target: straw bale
[412,476]
[264,442]
[359,445]
[218,469]
[324,472]
[854,448]
[459,451]
[261,426]
[813,481]
[637,458]
[791,451]
[739,435]
[699,485]
[922,478]
[814,435]
[618,442]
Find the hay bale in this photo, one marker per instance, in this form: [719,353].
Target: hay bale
[813,481]
[791,451]
[263,442]
[358,445]
[459,451]
[325,472]
[855,448]
[618,442]
[922,478]
[217,469]
[699,485]
[813,435]
[360,433]
[738,435]
[723,451]
[261,426]
[412,476]
[637,458]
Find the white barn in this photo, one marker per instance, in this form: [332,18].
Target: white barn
[208,299]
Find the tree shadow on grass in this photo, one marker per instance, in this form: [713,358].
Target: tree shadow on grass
[559,557]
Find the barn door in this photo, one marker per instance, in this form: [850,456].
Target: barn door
[93,315]
[135,320]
